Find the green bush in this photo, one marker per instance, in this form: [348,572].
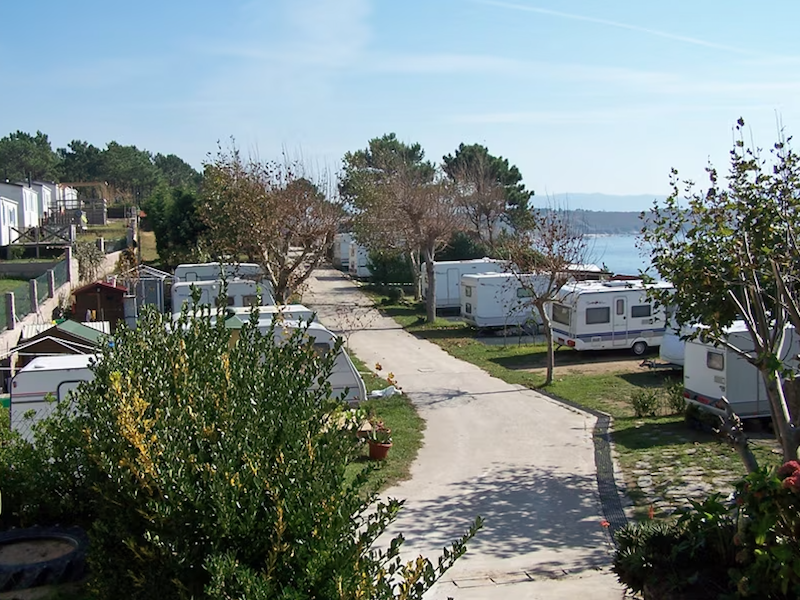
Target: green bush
[645,402]
[674,399]
[205,466]
[390,267]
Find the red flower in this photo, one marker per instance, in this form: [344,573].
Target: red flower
[605,523]
[792,483]
[789,468]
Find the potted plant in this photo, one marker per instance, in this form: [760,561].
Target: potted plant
[379,440]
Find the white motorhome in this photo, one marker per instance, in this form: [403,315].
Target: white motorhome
[213,271]
[56,375]
[358,261]
[240,293]
[601,315]
[673,348]
[447,275]
[711,372]
[341,250]
[495,300]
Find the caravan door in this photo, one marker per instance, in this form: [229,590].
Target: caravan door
[619,333]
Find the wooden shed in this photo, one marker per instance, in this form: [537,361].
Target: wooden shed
[100,301]
[67,337]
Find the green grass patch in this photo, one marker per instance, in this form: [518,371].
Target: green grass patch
[11,284]
[661,452]
[399,415]
[113,230]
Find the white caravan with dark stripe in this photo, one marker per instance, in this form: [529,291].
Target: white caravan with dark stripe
[605,315]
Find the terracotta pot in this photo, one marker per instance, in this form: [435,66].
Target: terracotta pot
[378,451]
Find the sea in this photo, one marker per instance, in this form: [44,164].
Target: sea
[619,254]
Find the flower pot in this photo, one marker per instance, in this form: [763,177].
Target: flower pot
[378,451]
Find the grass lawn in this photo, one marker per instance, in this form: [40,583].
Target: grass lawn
[8,284]
[399,415]
[147,245]
[113,230]
[661,456]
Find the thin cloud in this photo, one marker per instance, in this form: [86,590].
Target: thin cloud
[619,25]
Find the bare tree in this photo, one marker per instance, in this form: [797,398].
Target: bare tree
[540,259]
[270,212]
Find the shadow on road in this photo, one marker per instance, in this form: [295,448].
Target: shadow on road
[526,510]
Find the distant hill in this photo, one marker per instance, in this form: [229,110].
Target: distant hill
[607,222]
[597,202]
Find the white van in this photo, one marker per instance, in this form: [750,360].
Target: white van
[711,372]
[213,271]
[358,261]
[601,315]
[240,293]
[494,300]
[447,275]
[56,375]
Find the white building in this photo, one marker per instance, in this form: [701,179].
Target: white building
[27,198]
[9,219]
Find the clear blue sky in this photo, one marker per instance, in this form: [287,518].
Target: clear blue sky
[583,96]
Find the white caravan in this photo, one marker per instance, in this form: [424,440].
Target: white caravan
[341,250]
[240,293]
[358,261]
[56,375]
[213,271]
[711,372]
[288,312]
[494,300]
[602,315]
[447,276]
[673,348]
[344,377]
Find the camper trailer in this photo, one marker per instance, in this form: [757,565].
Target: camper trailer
[673,348]
[711,372]
[447,276]
[358,261]
[344,377]
[341,250]
[602,315]
[213,271]
[56,375]
[240,293]
[498,300]
[288,312]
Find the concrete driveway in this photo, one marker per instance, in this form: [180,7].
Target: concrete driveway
[522,461]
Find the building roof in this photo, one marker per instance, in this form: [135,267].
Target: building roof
[90,332]
[148,272]
[56,363]
[102,284]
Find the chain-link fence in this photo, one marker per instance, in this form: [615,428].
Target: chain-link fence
[61,273]
[42,284]
[22,300]
[116,245]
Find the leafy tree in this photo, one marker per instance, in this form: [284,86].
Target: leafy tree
[492,191]
[23,155]
[177,172]
[81,162]
[401,203]
[207,466]
[463,246]
[272,213]
[90,258]
[174,215]
[130,171]
[730,251]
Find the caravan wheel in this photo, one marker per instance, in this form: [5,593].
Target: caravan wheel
[639,348]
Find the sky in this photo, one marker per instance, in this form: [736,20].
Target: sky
[582,96]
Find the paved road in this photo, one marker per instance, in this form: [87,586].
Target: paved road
[522,461]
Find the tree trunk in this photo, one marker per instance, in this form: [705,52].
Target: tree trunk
[430,300]
[781,419]
[548,334]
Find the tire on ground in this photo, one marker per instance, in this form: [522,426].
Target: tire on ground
[63,569]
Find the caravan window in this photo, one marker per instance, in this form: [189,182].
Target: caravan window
[468,291]
[620,306]
[595,316]
[524,293]
[641,310]
[560,314]
[715,360]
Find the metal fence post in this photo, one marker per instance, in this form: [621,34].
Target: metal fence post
[10,309]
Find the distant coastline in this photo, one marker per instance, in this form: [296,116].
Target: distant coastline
[600,222]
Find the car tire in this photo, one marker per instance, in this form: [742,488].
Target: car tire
[69,566]
[639,348]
